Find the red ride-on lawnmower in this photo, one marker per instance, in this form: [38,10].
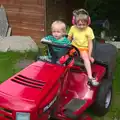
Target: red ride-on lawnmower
[58,87]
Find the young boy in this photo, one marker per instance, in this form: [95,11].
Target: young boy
[58,29]
[81,36]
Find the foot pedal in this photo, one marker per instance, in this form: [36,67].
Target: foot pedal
[73,106]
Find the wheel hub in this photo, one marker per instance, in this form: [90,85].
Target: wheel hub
[108,99]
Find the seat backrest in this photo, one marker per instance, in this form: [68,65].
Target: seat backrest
[105,54]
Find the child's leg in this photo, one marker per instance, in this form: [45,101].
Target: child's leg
[85,57]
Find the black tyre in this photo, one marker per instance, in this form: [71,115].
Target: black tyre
[103,98]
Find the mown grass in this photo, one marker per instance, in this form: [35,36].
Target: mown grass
[8,61]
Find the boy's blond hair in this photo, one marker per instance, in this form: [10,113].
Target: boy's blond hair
[60,23]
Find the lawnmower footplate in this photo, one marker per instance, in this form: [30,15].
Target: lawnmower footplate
[73,106]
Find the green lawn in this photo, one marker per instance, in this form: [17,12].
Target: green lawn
[114,113]
[8,63]
[8,68]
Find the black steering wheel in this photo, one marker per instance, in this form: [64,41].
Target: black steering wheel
[54,58]
[55,55]
[69,47]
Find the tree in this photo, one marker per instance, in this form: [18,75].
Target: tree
[96,8]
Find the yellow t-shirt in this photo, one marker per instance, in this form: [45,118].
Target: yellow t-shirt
[81,37]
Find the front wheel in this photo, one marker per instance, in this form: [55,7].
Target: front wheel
[103,98]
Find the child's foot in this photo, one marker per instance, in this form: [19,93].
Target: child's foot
[93,82]
[63,59]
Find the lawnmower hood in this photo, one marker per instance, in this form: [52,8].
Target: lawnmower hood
[33,83]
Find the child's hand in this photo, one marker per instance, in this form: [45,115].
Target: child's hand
[91,59]
[45,40]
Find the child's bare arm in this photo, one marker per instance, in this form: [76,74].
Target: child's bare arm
[90,48]
[70,38]
[46,39]
[70,34]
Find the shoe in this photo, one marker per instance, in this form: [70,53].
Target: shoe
[63,59]
[93,82]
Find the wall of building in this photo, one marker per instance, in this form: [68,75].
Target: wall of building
[55,9]
[72,5]
[34,17]
[26,17]
[62,10]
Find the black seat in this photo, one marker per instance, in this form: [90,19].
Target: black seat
[104,52]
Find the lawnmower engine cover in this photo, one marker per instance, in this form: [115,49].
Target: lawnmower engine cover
[29,93]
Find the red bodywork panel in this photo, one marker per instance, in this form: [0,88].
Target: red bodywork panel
[75,86]
[33,88]
[18,92]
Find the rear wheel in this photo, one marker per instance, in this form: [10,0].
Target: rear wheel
[103,98]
